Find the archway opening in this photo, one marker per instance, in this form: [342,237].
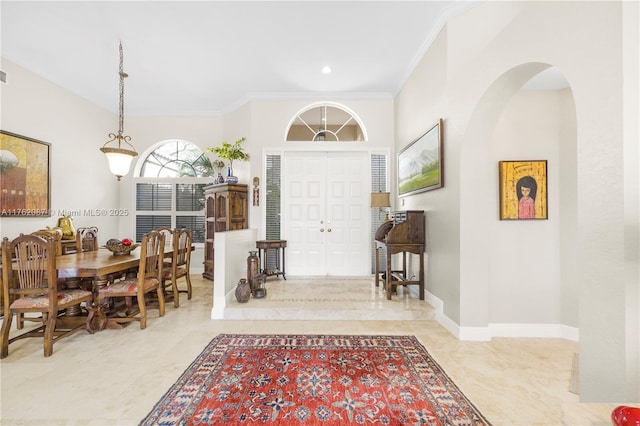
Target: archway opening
[519,272]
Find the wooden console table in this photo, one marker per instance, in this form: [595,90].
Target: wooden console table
[394,278]
[264,246]
[405,234]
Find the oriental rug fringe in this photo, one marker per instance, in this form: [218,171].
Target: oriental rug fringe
[314,380]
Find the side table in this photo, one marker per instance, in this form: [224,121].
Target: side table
[263,246]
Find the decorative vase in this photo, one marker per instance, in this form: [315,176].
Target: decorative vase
[230,177]
[219,179]
[243,291]
[259,291]
[253,269]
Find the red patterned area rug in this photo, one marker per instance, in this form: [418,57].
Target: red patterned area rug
[314,380]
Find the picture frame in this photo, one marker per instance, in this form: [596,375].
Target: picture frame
[25,189]
[421,163]
[523,190]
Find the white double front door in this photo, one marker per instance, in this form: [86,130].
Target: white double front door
[325,213]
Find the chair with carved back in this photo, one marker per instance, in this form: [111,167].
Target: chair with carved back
[180,265]
[148,279]
[30,286]
[168,242]
[87,239]
[168,235]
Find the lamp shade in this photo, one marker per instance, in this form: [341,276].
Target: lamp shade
[119,160]
[380,199]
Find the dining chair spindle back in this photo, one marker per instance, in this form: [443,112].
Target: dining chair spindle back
[148,279]
[179,266]
[30,286]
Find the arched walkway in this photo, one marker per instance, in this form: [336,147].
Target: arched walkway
[488,246]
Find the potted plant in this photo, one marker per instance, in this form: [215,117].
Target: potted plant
[231,152]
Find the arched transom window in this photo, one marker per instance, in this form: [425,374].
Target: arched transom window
[325,123]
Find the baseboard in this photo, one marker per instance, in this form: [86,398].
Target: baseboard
[534,330]
[441,318]
[484,334]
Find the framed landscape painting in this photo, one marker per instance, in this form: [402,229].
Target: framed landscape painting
[420,164]
[24,176]
[523,190]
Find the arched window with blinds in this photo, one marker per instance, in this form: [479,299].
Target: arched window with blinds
[169,189]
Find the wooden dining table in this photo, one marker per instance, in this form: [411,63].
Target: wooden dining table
[98,264]
[102,266]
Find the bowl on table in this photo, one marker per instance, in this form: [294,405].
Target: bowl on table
[119,248]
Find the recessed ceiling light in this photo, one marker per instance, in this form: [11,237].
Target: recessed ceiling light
[326,69]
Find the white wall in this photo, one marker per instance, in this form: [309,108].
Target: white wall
[80,180]
[525,262]
[631,138]
[474,68]
[230,260]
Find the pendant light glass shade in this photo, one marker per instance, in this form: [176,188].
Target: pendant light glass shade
[119,160]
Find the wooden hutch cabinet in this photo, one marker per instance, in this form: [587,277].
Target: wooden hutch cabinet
[226,210]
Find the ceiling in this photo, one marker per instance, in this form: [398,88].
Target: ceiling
[209,57]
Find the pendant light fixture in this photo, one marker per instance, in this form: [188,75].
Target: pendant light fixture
[119,157]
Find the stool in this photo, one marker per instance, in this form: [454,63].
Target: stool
[264,246]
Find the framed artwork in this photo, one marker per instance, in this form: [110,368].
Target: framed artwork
[24,176]
[420,164]
[523,190]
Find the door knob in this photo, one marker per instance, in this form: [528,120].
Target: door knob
[321,229]
[329,230]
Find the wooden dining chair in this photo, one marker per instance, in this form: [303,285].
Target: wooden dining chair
[168,235]
[62,282]
[30,286]
[148,279]
[87,239]
[168,242]
[179,266]
[57,238]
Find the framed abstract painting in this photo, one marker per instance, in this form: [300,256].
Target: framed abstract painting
[523,190]
[24,176]
[420,164]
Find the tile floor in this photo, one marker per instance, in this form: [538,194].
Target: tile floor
[116,376]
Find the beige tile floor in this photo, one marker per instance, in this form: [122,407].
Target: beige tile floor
[116,376]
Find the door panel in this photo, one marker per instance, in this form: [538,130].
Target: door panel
[303,208]
[347,204]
